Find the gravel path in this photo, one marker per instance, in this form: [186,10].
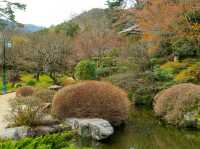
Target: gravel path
[4,108]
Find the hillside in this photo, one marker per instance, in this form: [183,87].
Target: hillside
[31,28]
[93,18]
[27,28]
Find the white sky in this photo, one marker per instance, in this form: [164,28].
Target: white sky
[52,12]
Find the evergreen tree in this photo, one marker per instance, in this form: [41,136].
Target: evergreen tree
[114,3]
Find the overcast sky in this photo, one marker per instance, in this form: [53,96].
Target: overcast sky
[52,12]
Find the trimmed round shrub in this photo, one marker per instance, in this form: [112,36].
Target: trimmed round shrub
[92,99]
[31,83]
[24,91]
[175,103]
[45,95]
[69,81]
[86,70]
[18,85]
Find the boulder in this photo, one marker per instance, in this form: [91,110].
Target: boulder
[190,119]
[97,129]
[15,133]
[48,120]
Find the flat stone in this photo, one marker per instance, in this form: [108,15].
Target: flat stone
[48,120]
[97,129]
[15,133]
[24,131]
[43,130]
[55,87]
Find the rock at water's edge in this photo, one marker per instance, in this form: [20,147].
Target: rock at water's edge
[97,129]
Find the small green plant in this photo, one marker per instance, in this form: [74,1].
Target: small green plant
[103,72]
[18,85]
[51,141]
[31,83]
[162,74]
[86,70]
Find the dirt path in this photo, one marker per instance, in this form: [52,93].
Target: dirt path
[4,108]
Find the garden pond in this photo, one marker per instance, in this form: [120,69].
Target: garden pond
[144,131]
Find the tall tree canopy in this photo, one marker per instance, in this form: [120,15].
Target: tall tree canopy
[7,9]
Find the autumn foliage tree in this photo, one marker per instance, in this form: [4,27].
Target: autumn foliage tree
[165,18]
[93,42]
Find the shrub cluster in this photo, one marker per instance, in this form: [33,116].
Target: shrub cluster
[162,74]
[92,99]
[192,74]
[86,70]
[45,95]
[24,91]
[29,106]
[171,104]
[127,81]
[174,66]
[25,111]
[69,81]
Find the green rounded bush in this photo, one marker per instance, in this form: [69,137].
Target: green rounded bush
[18,85]
[31,83]
[86,70]
[92,99]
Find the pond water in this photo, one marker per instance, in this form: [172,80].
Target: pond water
[144,131]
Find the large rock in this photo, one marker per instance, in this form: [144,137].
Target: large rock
[190,119]
[97,129]
[15,133]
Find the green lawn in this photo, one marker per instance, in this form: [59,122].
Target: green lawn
[28,79]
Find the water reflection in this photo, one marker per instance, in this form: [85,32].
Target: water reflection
[143,131]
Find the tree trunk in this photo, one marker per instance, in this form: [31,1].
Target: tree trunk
[53,77]
[37,76]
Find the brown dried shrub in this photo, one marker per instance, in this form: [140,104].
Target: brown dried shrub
[26,111]
[24,91]
[92,99]
[69,81]
[45,95]
[171,104]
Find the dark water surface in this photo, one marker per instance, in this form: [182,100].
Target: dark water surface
[144,131]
